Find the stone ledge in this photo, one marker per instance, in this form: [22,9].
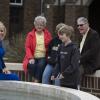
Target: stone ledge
[19,66]
[47,90]
[14,66]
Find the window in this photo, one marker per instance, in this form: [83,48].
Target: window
[16,2]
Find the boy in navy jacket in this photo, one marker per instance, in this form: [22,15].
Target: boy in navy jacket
[67,66]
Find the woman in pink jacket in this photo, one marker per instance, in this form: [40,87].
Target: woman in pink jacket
[36,49]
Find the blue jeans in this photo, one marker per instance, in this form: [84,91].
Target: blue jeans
[46,78]
[8,76]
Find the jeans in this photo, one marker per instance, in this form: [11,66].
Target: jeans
[8,76]
[46,78]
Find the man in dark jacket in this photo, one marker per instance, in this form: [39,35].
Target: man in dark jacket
[89,47]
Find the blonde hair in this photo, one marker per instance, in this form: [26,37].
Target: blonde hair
[68,30]
[2,26]
[59,26]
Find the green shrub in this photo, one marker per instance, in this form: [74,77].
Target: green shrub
[15,49]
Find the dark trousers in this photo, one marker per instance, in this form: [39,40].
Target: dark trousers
[36,70]
[70,86]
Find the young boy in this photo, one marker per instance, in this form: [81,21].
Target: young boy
[68,60]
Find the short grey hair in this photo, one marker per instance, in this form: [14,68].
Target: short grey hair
[40,18]
[82,19]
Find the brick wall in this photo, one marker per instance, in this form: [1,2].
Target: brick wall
[72,12]
[4,13]
[31,10]
[54,15]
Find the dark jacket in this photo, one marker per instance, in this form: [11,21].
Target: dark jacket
[2,52]
[90,51]
[68,63]
[52,50]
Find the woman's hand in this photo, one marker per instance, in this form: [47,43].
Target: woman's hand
[6,71]
[31,61]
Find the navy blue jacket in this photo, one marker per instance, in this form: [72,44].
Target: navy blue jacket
[2,52]
[68,64]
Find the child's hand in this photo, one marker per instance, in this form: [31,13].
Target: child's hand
[52,78]
[61,76]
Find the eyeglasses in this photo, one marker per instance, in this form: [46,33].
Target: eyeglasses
[80,25]
[42,25]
